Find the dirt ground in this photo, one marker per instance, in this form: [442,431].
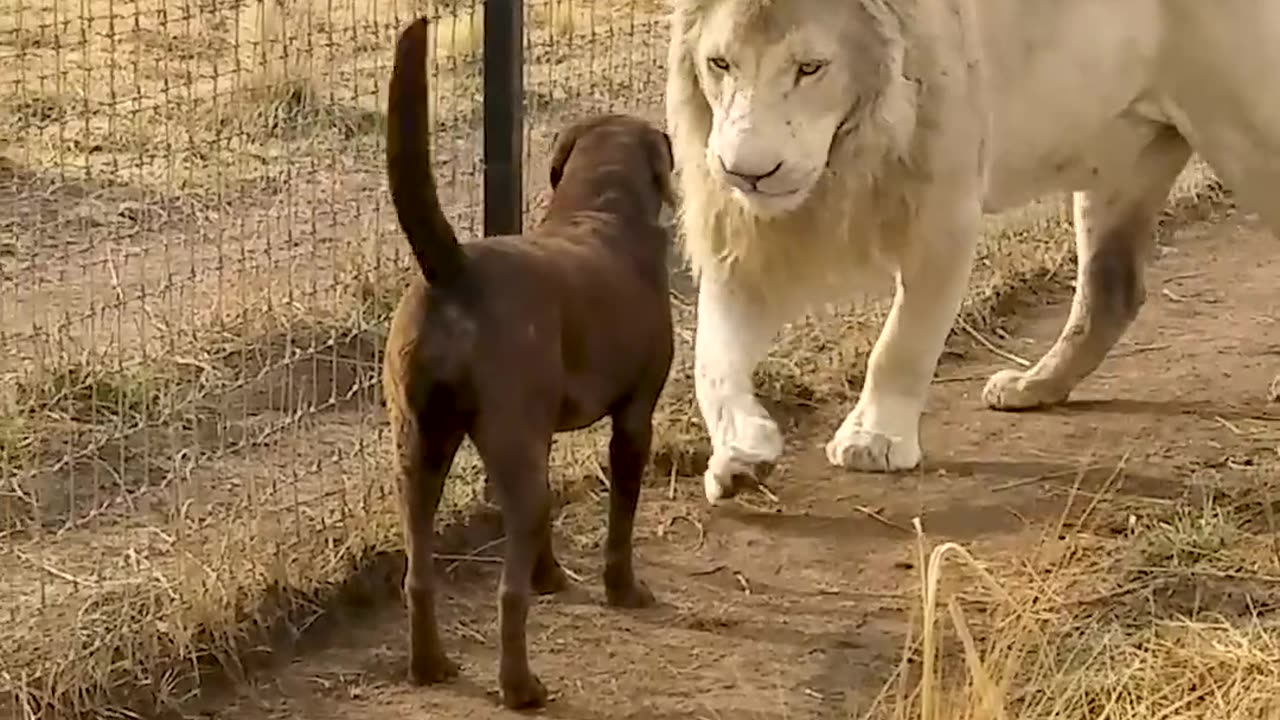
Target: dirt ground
[798,610]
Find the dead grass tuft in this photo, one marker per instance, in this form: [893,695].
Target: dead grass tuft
[1189,538]
[1045,644]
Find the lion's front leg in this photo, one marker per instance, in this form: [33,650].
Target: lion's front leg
[735,328]
[882,434]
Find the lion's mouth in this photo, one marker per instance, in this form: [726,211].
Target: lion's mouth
[770,202]
[768,194]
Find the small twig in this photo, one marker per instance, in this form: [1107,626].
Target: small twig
[1023,482]
[60,574]
[598,471]
[764,490]
[1108,595]
[708,571]
[1103,491]
[875,515]
[467,558]
[1139,349]
[1017,515]
[469,631]
[964,325]
[959,378]
[742,582]
[474,555]
[1228,425]
[702,532]
[1205,572]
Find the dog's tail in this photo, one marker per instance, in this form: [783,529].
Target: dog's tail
[413,184]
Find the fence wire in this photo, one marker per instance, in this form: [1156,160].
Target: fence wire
[197,263]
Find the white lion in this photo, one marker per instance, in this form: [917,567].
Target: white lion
[818,139]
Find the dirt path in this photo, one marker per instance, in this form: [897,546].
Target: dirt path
[798,610]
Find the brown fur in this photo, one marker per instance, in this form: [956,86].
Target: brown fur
[511,339]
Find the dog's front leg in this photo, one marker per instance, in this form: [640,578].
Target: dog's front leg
[881,434]
[628,455]
[735,327]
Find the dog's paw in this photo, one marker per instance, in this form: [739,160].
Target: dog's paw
[433,670]
[1013,390]
[857,448]
[632,595]
[523,692]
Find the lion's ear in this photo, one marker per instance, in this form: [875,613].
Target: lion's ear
[564,143]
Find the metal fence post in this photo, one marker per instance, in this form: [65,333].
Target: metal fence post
[503,125]
[503,116]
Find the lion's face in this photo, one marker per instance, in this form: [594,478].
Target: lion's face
[783,79]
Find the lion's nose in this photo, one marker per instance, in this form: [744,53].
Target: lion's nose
[744,180]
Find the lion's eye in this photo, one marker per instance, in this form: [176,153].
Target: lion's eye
[806,69]
[718,63]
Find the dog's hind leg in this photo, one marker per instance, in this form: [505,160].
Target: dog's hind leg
[628,455]
[515,456]
[425,446]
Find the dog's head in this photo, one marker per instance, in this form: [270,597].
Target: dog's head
[617,145]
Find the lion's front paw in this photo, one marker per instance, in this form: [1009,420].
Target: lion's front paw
[726,476]
[1016,390]
[857,448]
[755,441]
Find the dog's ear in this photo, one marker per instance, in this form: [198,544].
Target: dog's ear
[662,161]
[564,148]
[671,158]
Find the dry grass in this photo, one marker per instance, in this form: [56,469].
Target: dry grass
[191,442]
[1174,618]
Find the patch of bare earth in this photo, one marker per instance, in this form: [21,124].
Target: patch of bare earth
[800,608]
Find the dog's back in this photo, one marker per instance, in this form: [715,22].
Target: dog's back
[561,307]
[577,305]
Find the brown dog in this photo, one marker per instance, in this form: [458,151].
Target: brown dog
[512,339]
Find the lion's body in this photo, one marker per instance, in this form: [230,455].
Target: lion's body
[817,141]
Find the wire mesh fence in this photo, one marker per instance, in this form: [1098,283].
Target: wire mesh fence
[197,262]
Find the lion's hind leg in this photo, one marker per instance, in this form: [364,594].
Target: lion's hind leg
[1114,227]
